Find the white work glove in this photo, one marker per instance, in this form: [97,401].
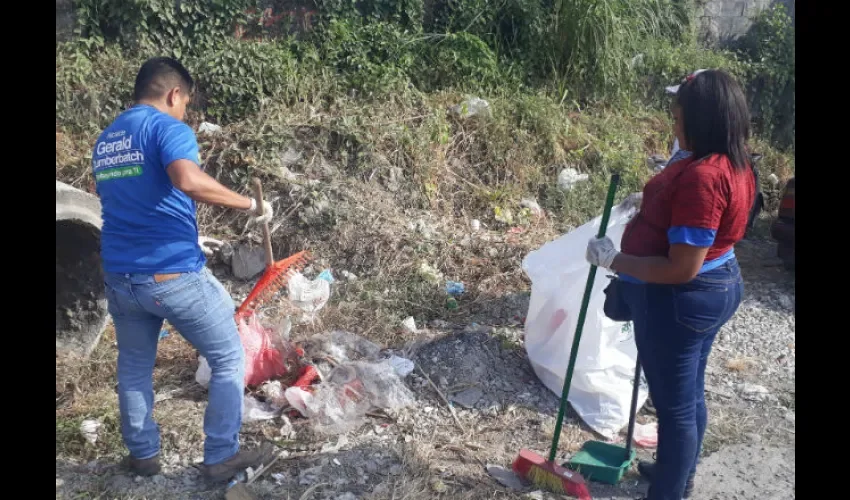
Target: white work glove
[601,252]
[254,210]
[632,201]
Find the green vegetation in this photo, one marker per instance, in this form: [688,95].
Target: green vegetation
[571,83]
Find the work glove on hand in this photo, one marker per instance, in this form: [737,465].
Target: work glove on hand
[255,211]
[601,252]
[632,201]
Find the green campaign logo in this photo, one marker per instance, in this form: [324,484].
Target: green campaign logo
[119,173]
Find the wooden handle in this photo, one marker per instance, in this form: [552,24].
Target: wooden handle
[267,235]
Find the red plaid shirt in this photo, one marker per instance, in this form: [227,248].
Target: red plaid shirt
[705,193]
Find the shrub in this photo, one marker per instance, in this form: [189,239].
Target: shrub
[460,60]
[92,85]
[665,63]
[596,42]
[769,45]
[171,28]
[234,79]
[373,57]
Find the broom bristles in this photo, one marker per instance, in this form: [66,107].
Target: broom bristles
[546,479]
[550,476]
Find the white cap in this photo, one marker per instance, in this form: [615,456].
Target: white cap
[675,88]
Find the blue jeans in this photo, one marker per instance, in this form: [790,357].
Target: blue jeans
[675,326]
[199,307]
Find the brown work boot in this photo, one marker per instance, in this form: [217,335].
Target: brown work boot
[238,463]
[142,467]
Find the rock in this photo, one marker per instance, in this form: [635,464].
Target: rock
[786,302]
[349,276]
[506,477]
[468,397]
[247,261]
[315,211]
[208,128]
[569,177]
[226,253]
[753,392]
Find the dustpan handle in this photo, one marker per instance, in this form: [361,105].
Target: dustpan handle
[633,411]
[267,235]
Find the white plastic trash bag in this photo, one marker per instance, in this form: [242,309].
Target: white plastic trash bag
[601,388]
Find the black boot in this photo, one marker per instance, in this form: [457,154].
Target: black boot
[647,470]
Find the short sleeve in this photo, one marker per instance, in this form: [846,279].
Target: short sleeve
[698,199]
[177,142]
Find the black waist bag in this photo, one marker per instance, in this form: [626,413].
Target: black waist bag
[615,307]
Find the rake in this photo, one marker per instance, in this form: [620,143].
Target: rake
[277,274]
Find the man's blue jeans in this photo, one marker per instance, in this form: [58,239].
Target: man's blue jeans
[675,326]
[199,307]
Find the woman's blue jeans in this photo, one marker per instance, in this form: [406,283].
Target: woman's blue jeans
[199,307]
[675,326]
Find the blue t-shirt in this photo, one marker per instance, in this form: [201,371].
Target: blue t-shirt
[149,226]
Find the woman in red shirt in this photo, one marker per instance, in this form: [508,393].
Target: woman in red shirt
[679,276]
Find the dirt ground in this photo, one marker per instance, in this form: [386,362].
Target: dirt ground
[421,451]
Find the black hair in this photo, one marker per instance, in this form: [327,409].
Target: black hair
[716,117]
[159,75]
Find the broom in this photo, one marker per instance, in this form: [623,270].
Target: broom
[531,466]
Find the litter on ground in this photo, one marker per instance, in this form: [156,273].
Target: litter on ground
[646,436]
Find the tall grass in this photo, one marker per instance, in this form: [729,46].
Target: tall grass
[598,42]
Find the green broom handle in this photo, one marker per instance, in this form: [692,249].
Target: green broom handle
[585,301]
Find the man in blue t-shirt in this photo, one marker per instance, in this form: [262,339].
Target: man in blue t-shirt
[148,177]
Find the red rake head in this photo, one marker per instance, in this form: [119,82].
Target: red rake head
[273,279]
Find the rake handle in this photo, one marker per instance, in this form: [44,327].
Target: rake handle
[267,235]
[582,314]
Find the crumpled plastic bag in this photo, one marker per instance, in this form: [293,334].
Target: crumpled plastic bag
[340,404]
[310,296]
[254,410]
[267,354]
[646,436]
